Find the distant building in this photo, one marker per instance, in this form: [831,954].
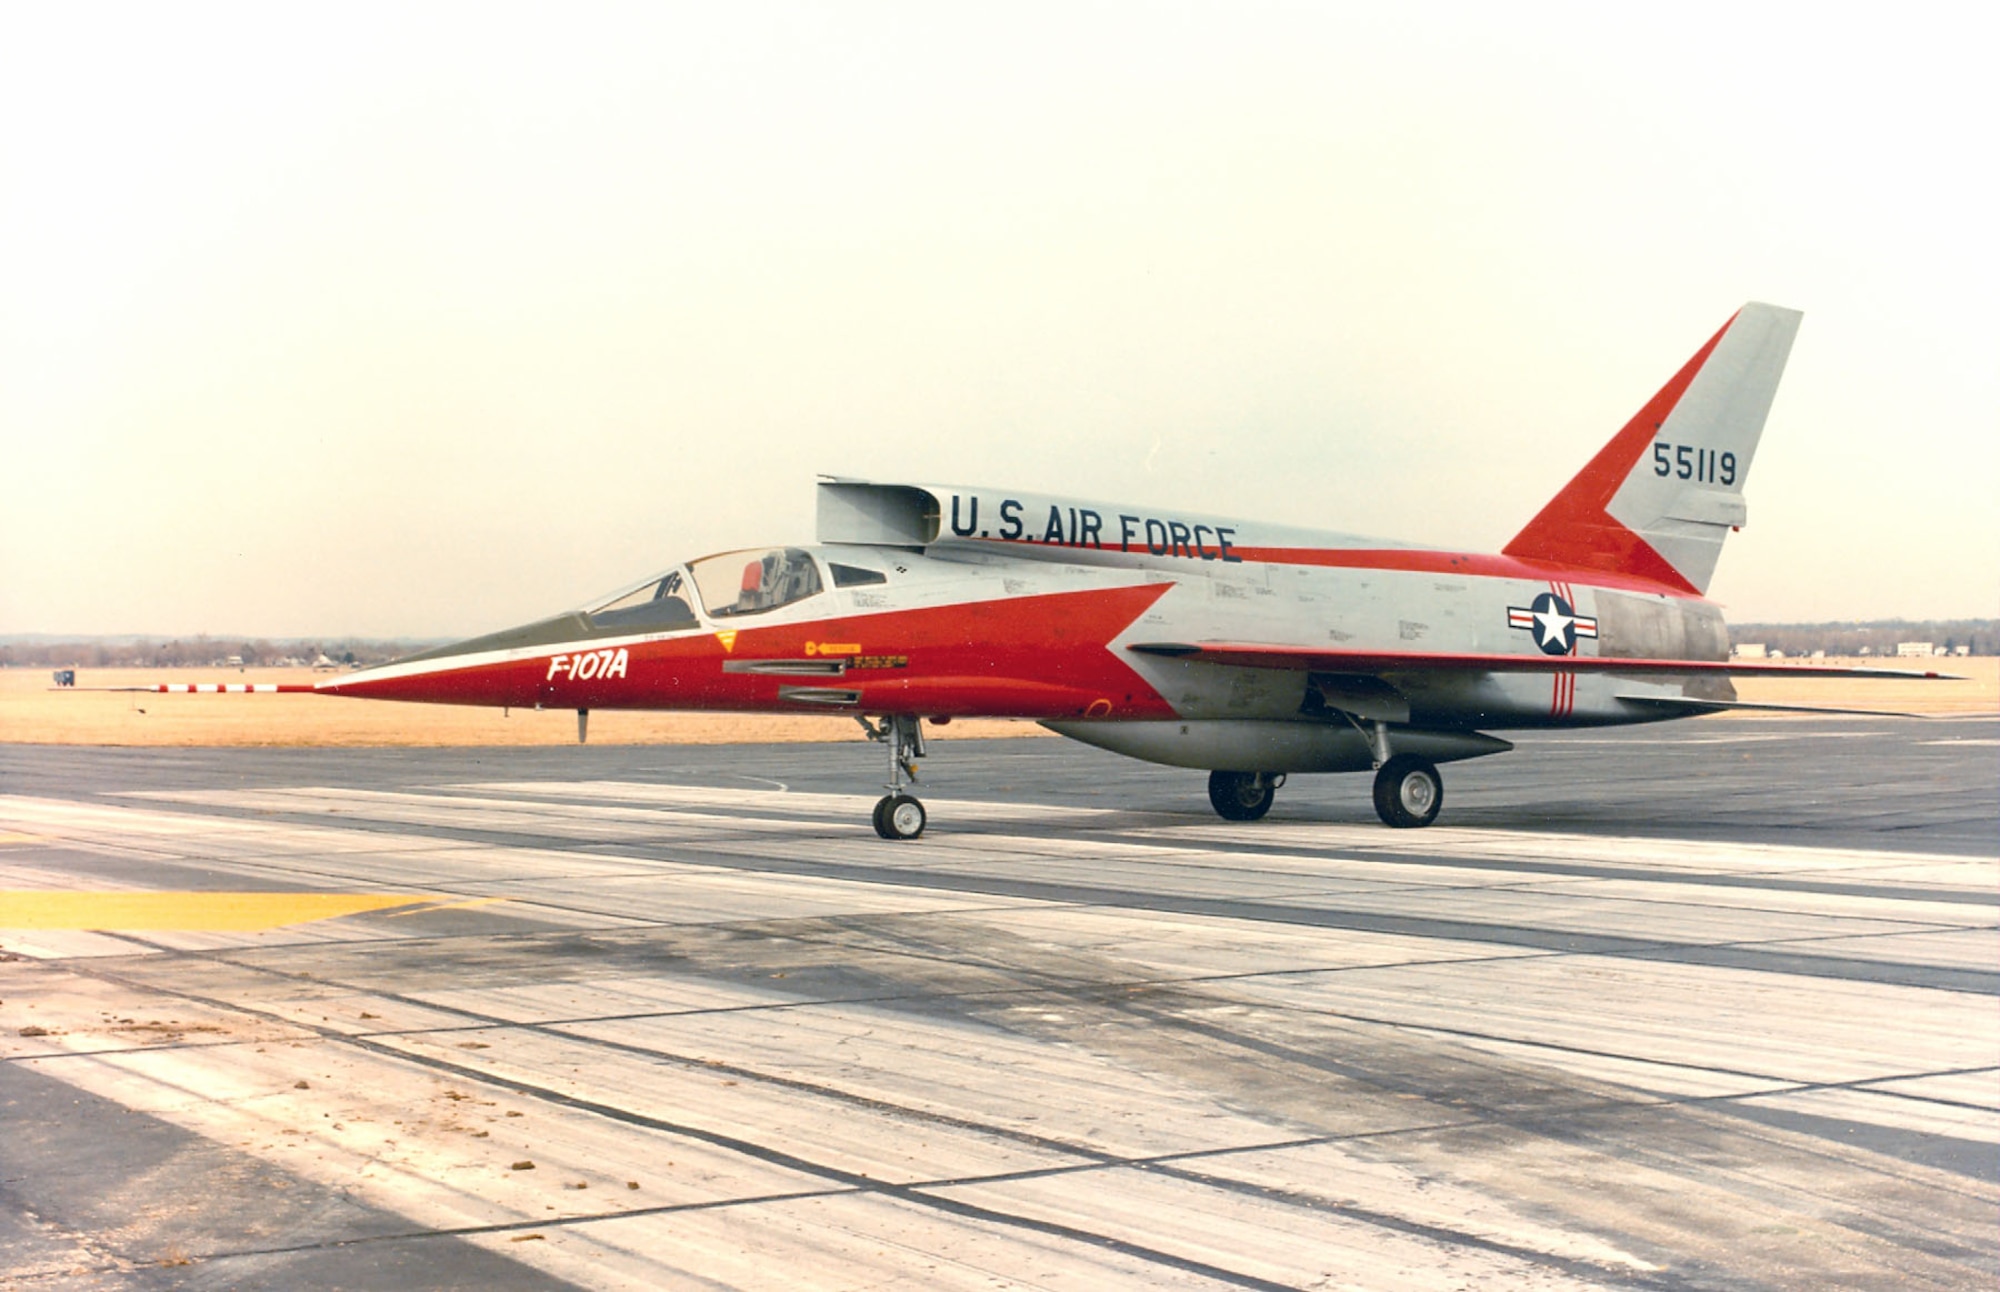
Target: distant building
[1961,650]
[1908,650]
[1749,650]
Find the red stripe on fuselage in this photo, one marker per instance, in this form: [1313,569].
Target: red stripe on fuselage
[1029,657]
[1556,680]
[1575,648]
[1462,563]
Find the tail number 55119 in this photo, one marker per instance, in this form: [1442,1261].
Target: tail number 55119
[1705,466]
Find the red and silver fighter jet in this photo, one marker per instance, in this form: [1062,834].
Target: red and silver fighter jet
[1240,648]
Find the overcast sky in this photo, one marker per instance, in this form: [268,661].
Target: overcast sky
[429,319]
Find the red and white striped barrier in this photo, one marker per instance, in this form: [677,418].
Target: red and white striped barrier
[224,688]
[206,688]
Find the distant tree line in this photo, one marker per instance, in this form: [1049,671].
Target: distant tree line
[205,652]
[1878,637]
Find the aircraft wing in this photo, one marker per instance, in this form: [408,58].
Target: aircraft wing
[1312,660]
[1688,705]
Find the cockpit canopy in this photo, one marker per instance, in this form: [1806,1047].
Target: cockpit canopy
[750,583]
[732,584]
[658,606]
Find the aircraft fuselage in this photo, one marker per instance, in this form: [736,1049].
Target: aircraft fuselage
[979,630]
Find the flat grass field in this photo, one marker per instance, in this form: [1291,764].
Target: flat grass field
[32,712]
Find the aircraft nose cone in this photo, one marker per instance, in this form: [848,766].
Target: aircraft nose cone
[479,670]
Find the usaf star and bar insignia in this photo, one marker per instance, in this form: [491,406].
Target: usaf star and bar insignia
[1554,623]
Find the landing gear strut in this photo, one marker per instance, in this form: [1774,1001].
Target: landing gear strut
[898,815]
[1408,792]
[1243,796]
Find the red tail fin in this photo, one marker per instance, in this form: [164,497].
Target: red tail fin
[1658,500]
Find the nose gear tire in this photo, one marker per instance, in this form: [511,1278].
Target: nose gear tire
[899,816]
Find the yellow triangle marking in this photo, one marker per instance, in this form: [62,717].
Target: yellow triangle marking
[187,912]
[727,637]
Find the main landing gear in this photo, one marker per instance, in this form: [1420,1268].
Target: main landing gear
[1408,790]
[1243,796]
[898,815]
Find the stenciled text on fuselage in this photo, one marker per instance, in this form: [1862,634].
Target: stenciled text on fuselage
[1065,525]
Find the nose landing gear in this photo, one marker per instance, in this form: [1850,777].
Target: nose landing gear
[898,815]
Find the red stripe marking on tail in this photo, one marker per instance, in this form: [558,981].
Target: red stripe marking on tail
[1575,530]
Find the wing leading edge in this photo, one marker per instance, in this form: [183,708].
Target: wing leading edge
[1250,655]
[1687,706]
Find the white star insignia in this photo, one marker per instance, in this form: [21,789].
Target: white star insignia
[1552,626]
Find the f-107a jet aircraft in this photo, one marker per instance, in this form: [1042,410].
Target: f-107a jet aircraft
[1243,649]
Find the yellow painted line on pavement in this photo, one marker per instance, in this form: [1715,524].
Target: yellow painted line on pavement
[449,906]
[188,912]
[15,836]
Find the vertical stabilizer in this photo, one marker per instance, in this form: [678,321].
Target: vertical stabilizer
[1658,500]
